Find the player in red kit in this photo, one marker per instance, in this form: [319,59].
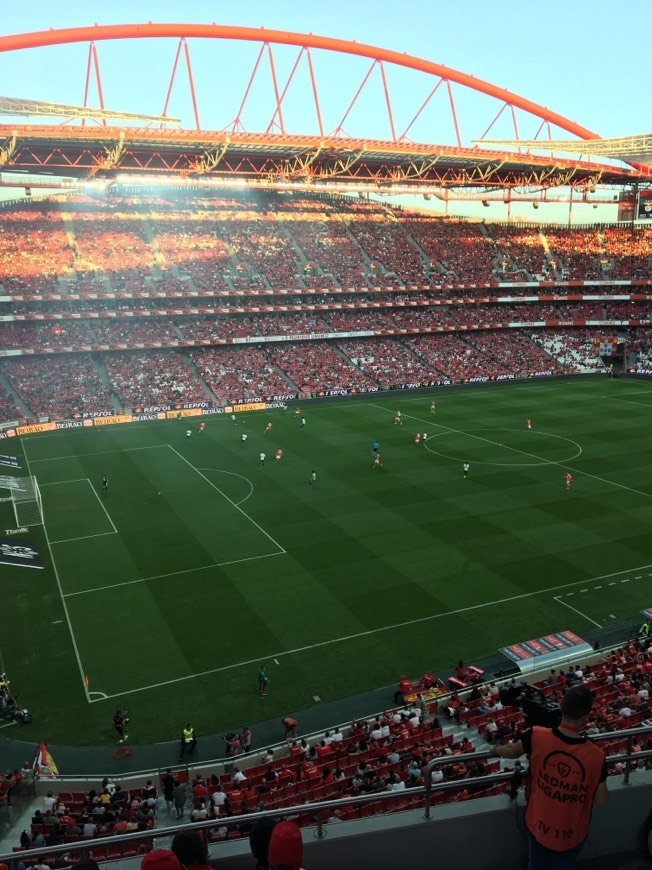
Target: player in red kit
[279,454]
[377,462]
[268,427]
[417,439]
[202,426]
[529,424]
[569,480]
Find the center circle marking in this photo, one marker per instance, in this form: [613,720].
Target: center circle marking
[471,432]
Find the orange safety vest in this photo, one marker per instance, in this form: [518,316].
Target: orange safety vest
[560,790]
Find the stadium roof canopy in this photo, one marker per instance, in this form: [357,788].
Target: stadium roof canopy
[275,157]
[632,149]
[272,159]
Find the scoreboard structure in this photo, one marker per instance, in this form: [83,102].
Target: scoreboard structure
[645,205]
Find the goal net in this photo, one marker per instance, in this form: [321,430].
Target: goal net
[26,499]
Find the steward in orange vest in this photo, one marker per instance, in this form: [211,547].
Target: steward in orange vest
[567,776]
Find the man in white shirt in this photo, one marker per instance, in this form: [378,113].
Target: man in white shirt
[49,802]
[238,776]
[219,799]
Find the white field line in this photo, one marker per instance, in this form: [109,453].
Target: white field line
[629,401]
[84,537]
[99,453]
[233,474]
[63,601]
[94,491]
[171,574]
[224,495]
[523,452]
[370,632]
[570,606]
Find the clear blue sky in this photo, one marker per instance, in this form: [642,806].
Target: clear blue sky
[582,59]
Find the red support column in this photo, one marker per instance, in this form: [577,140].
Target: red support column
[237,123]
[278,111]
[421,108]
[314,93]
[387,101]
[192,85]
[457,129]
[339,128]
[174,72]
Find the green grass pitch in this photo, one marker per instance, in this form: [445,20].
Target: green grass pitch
[168,591]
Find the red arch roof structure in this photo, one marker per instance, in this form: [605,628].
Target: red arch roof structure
[101,32]
[86,152]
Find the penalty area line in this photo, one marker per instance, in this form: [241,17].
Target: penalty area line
[171,574]
[557,598]
[370,632]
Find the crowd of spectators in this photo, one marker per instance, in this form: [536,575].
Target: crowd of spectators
[575,350]
[59,385]
[227,244]
[239,372]
[629,252]
[153,378]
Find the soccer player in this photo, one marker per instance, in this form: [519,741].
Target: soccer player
[313,478]
[234,419]
[105,484]
[297,411]
[262,681]
[397,419]
[268,427]
[179,415]
[417,439]
[466,468]
[261,459]
[188,433]
[279,455]
[433,407]
[303,422]
[424,438]
[374,448]
[377,462]
[243,438]
[529,424]
[202,426]
[569,480]
[120,725]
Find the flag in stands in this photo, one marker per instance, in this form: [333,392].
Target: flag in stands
[44,765]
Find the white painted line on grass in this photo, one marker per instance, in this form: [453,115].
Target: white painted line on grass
[57,622]
[102,506]
[83,537]
[369,633]
[516,449]
[9,724]
[98,453]
[63,600]
[171,574]
[557,598]
[233,474]
[629,401]
[224,495]
[60,482]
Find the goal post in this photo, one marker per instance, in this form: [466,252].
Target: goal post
[26,500]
